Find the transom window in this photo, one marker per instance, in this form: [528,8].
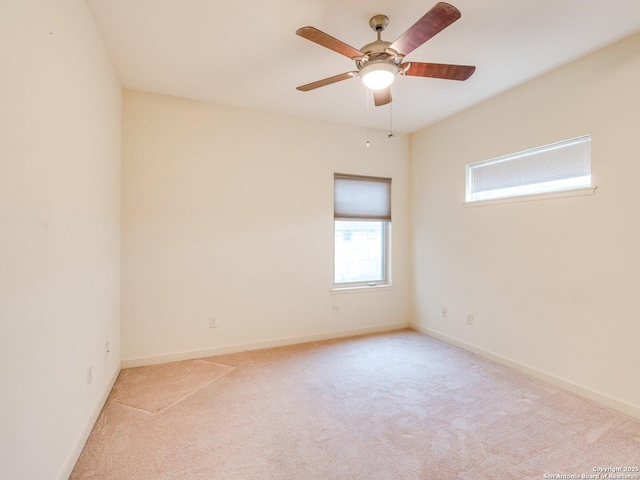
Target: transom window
[552,168]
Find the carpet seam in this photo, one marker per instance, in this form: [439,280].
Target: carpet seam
[196,391]
[214,363]
[183,398]
[131,407]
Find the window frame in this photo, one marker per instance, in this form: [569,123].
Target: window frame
[386,260]
[525,194]
[385,282]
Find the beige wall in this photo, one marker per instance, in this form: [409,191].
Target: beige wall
[228,212]
[60,105]
[552,284]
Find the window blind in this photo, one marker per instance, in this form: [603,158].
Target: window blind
[560,166]
[361,198]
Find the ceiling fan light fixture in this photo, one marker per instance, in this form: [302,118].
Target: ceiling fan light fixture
[377,76]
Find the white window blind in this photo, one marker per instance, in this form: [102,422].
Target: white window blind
[561,166]
[362,198]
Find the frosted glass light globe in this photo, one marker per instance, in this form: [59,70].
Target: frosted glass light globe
[378,75]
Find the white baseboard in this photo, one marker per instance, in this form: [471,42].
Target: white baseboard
[212,352]
[545,377]
[88,426]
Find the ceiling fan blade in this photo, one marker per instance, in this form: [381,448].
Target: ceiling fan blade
[438,70]
[382,97]
[321,38]
[433,22]
[326,81]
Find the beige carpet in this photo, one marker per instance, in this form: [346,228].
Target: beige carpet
[158,387]
[390,406]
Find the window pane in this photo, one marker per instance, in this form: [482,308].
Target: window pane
[551,168]
[359,251]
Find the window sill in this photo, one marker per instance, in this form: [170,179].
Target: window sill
[375,288]
[530,198]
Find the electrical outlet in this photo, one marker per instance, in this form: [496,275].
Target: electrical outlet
[213,323]
[106,348]
[470,318]
[89,375]
[444,311]
[336,309]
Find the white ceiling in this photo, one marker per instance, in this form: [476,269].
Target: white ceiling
[246,53]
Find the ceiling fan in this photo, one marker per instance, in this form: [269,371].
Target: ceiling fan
[379,62]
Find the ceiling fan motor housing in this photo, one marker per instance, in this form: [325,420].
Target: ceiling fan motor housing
[378,52]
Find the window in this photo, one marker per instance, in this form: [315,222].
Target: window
[362,230]
[552,168]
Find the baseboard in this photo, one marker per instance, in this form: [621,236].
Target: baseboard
[88,426]
[532,372]
[212,352]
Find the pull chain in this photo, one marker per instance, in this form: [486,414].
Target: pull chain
[390,121]
[366,91]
